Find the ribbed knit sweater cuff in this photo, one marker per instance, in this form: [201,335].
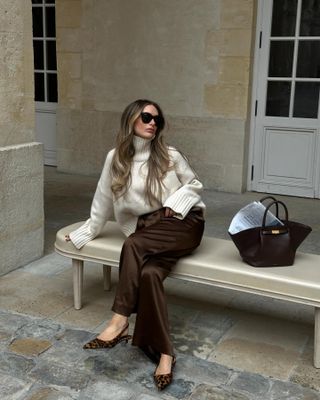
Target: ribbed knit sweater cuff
[81,236]
[181,203]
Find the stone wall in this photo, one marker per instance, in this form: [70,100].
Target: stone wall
[21,162]
[194,60]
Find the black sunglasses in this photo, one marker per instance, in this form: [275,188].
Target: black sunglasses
[147,117]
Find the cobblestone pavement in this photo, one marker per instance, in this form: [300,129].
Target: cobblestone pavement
[41,359]
[229,345]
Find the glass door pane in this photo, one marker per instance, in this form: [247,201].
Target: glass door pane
[281,58]
[52,87]
[44,49]
[37,21]
[278,99]
[51,55]
[284,15]
[294,61]
[310,17]
[306,100]
[308,59]
[38,54]
[50,22]
[39,92]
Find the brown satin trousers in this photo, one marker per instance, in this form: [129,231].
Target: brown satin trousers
[147,257]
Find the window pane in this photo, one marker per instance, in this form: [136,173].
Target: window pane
[281,58]
[37,21]
[50,22]
[36,1]
[38,54]
[39,86]
[306,100]
[278,99]
[284,15]
[51,55]
[50,1]
[310,17]
[308,59]
[52,87]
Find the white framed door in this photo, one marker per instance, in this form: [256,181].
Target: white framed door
[285,135]
[45,76]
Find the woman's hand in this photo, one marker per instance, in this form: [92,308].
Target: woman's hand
[67,238]
[168,212]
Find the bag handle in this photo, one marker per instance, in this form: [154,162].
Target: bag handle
[274,200]
[267,209]
[267,197]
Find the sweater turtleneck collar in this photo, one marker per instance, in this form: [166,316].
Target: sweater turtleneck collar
[142,148]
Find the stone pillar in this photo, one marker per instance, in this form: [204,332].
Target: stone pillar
[21,160]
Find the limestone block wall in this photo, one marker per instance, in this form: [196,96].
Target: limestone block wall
[21,161]
[21,223]
[16,73]
[192,57]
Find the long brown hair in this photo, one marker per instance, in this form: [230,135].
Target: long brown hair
[158,162]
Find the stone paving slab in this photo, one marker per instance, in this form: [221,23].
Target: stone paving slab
[12,388]
[268,346]
[64,371]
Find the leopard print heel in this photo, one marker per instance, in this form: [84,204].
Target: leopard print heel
[164,380]
[108,344]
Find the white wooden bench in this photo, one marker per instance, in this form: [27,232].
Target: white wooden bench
[216,262]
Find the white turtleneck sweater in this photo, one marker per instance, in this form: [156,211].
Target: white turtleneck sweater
[180,193]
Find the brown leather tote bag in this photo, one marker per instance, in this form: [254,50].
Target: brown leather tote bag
[271,246]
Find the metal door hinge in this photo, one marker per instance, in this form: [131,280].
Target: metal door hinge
[260,40]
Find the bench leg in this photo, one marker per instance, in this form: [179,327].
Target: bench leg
[316,359]
[106,277]
[77,282]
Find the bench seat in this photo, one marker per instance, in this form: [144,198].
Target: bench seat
[216,262]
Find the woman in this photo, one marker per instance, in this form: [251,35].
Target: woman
[153,194]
